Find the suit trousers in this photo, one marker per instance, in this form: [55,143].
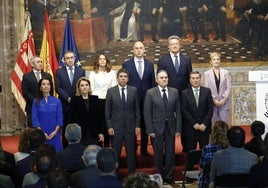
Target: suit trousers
[129,141]
[164,151]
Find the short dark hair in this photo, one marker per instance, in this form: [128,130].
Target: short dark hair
[194,72]
[236,136]
[122,70]
[36,139]
[106,160]
[257,128]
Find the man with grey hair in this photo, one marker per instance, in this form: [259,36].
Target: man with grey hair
[30,85]
[81,178]
[70,158]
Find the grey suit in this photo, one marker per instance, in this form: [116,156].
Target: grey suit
[123,121]
[164,123]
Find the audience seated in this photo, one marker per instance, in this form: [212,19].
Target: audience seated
[58,178]
[107,164]
[234,159]
[70,158]
[23,147]
[6,181]
[43,162]
[254,145]
[141,179]
[36,139]
[7,162]
[81,178]
[258,173]
[218,141]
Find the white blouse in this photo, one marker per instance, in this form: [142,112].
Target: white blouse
[100,82]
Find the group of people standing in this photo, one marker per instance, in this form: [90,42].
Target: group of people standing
[115,107]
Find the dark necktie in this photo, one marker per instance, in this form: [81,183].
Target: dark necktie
[123,97]
[165,99]
[71,75]
[177,66]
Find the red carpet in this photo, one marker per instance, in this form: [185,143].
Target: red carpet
[145,164]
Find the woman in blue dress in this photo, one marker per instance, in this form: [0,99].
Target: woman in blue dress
[47,113]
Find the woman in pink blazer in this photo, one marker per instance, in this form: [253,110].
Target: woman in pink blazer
[219,82]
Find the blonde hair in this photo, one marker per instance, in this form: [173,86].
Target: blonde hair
[78,92]
[213,54]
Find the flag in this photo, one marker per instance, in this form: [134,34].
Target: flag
[48,54]
[22,65]
[69,43]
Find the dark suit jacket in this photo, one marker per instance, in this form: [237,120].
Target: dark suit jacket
[63,85]
[85,178]
[22,168]
[148,78]
[71,157]
[180,80]
[155,114]
[107,181]
[116,116]
[30,88]
[192,114]
[89,120]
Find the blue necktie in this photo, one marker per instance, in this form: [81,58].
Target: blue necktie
[165,99]
[177,66]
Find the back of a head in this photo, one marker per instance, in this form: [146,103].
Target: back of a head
[264,146]
[58,178]
[257,128]
[90,154]
[36,139]
[44,166]
[107,160]
[141,179]
[219,134]
[24,140]
[73,133]
[236,136]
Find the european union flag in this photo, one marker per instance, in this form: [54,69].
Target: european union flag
[69,43]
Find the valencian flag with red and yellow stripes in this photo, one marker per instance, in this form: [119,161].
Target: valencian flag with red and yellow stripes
[48,54]
[23,65]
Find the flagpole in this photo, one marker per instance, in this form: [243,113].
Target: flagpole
[26,5]
[67,6]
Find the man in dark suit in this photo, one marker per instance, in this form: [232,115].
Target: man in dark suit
[82,178]
[163,122]
[177,65]
[70,158]
[122,113]
[66,78]
[141,76]
[107,164]
[197,110]
[30,85]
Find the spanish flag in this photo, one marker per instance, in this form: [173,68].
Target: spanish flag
[48,54]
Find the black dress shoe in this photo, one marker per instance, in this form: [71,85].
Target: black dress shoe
[205,38]
[155,40]
[118,40]
[168,182]
[224,39]
[216,38]
[195,40]
[147,154]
